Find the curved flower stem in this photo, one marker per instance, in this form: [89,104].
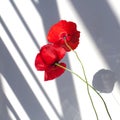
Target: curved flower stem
[93,87]
[88,85]
[86,81]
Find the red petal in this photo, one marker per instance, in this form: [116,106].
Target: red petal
[70,27]
[48,54]
[51,53]
[53,35]
[56,30]
[54,71]
[64,30]
[39,64]
[73,45]
[60,51]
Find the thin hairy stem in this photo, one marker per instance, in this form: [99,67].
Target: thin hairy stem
[86,81]
[88,85]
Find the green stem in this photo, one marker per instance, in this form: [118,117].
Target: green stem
[93,87]
[86,81]
[88,85]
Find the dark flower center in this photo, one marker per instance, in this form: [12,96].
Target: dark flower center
[63,36]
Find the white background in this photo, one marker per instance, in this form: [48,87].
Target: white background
[23,28]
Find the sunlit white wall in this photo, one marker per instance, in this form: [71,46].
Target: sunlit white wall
[22,33]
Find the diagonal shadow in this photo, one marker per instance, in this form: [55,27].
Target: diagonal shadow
[4,102]
[49,13]
[8,104]
[67,94]
[25,25]
[4,115]
[30,69]
[103,26]
[17,82]
[34,40]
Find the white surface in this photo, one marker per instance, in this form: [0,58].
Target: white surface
[23,27]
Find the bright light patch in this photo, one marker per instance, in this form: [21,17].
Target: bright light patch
[11,114]
[13,100]
[31,81]
[115,7]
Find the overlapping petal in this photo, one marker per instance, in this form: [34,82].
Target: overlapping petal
[47,57]
[62,31]
[52,53]
[54,71]
[39,63]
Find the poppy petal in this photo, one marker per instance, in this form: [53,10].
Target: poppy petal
[39,64]
[60,52]
[73,46]
[48,54]
[54,71]
[62,31]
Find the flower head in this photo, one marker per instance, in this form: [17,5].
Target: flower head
[47,57]
[62,31]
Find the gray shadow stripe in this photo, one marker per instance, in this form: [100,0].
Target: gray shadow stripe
[24,23]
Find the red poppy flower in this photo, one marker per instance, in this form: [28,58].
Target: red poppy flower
[47,57]
[62,31]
